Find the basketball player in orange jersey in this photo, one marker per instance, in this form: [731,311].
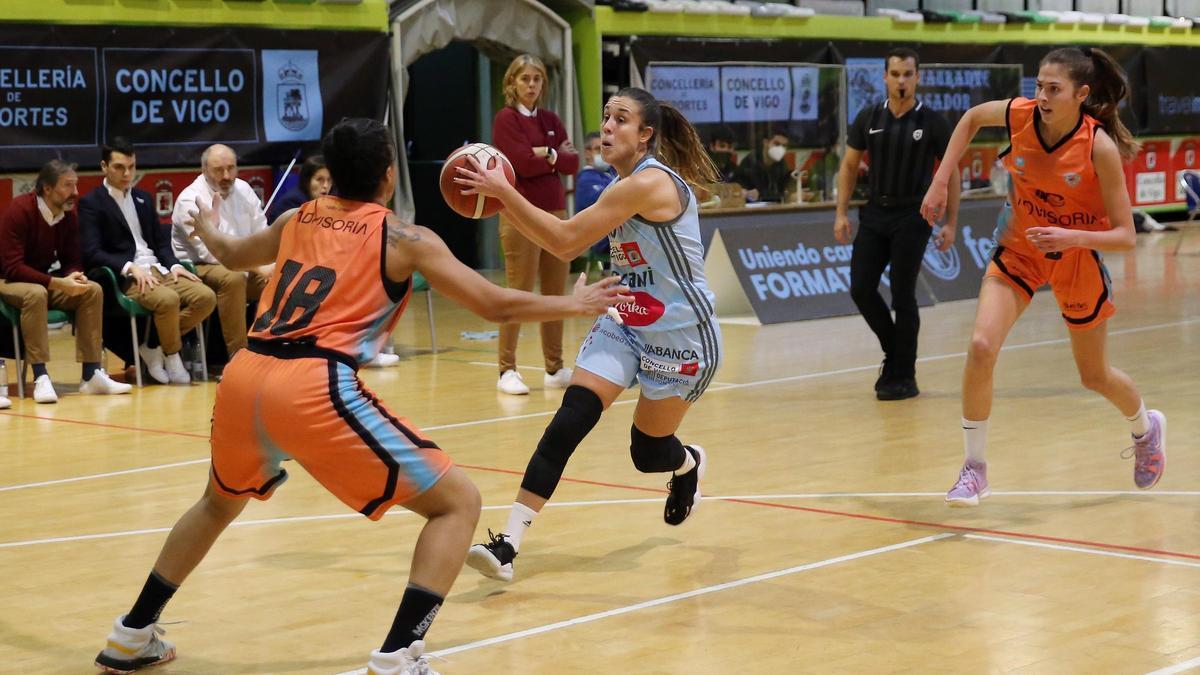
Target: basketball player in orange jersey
[1068,203]
[342,278]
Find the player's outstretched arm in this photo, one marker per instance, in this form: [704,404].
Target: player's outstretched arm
[989,114]
[565,239]
[236,253]
[412,248]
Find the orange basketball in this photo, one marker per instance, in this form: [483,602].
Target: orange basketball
[473,206]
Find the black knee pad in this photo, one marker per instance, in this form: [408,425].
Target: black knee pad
[655,454]
[580,410]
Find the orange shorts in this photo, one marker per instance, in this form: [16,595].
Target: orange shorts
[1079,280]
[317,412]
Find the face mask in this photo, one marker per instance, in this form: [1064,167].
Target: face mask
[599,163]
[776,152]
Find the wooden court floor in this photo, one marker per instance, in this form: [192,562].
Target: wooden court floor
[824,546]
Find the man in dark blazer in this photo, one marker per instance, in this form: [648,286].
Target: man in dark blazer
[120,230]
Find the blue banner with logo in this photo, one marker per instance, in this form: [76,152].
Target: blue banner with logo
[66,90]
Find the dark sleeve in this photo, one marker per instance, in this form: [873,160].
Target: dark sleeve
[508,138]
[856,135]
[91,236]
[568,162]
[941,136]
[746,173]
[13,228]
[150,222]
[70,253]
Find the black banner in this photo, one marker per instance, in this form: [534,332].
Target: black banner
[65,90]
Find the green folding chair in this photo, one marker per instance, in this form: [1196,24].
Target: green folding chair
[133,309]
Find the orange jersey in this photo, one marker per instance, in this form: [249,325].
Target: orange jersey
[329,288]
[1051,186]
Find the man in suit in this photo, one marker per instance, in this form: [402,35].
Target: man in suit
[121,231]
[36,229]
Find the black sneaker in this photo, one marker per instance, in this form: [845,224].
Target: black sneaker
[898,389]
[685,489]
[885,374]
[493,559]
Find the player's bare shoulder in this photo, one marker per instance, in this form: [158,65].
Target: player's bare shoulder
[401,233]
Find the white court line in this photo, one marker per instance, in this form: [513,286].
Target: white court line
[612,502]
[1178,667]
[725,387]
[104,475]
[1080,549]
[507,637]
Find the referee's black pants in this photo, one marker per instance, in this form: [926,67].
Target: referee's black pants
[898,237]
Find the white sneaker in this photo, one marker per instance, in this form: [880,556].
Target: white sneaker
[43,390]
[5,403]
[131,649]
[154,359]
[176,372]
[410,660]
[101,383]
[511,382]
[559,380]
[383,360]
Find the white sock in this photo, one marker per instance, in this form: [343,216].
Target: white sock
[1138,424]
[689,462]
[975,440]
[519,520]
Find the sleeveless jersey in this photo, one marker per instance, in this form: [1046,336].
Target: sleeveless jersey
[663,265]
[329,289]
[1051,186]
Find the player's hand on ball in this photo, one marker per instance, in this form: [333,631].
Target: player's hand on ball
[479,180]
[598,297]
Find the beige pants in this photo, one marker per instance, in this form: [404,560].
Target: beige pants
[234,290]
[524,263]
[178,305]
[35,301]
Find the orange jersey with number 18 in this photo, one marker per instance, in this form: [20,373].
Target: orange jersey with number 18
[329,288]
[1051,185]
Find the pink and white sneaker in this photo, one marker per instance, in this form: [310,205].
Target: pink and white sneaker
[1150,452]
[971,487]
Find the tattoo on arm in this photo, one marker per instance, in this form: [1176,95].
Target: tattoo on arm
[399,231]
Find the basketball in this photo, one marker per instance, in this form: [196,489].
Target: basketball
[473,206]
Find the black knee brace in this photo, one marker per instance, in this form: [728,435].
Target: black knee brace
[580,411]
[655,454]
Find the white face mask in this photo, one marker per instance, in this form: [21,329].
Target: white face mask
[776,152]
[599,163]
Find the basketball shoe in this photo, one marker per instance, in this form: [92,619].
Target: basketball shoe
[1150,452]
[972,486]
[131,649]
[493,559]
[685,489]
[410,660]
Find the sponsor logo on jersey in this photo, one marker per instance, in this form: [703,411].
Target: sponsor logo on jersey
[643,311]
[626,253]
[917,134]
[1064,219]
[638,279]
[1050,198]
[1072,179]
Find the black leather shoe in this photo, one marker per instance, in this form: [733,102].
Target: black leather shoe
[898,389]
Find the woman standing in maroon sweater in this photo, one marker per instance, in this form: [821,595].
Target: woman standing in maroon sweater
[536,143]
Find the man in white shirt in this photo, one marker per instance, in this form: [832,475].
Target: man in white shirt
[241,216]
[120,230]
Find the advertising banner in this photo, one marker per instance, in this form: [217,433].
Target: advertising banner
[65,90]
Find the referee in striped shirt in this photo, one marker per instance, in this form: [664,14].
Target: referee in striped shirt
[902,139]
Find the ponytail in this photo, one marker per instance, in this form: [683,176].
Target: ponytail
[1098,70]
[674,140]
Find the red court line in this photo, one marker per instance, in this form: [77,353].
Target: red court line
[881,519]
[103,425]
[752,502]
